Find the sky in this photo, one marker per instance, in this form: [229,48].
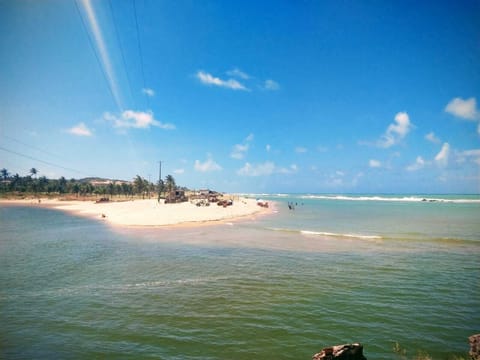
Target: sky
[245,96]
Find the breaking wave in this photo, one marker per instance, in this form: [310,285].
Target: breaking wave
[393,198]
[356,236]
[329,234]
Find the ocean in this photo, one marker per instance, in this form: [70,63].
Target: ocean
[379,270]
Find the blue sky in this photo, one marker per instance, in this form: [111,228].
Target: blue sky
[245,96]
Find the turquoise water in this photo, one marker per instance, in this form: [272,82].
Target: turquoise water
[282,286]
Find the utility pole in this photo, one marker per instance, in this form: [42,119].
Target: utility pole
[159,179]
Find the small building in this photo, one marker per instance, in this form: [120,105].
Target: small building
[175,196]
[206,195]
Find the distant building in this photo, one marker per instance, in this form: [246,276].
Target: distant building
[104,182]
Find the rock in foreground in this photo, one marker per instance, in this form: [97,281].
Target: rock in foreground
[474,346]
[341,352]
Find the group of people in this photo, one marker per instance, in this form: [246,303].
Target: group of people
[292,205]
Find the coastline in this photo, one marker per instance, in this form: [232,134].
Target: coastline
[148,213]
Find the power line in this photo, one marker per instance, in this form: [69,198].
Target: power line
[33,147]
[140,48]
[121,51]
[43,161]
[92,45]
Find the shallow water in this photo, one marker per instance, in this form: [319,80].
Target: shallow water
[263,289]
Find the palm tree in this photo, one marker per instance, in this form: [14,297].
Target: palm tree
[42,183]
[111,188]
[170,183]
[118,189]
[139,185]
[5,174]
[76,189]
[62,185]
[126,189]
[34,172]
[16,180]
[32,183]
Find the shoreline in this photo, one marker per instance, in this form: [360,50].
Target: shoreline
[148,213]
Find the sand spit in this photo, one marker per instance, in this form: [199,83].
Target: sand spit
[149,212]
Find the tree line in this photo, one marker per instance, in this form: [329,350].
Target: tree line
[32,184]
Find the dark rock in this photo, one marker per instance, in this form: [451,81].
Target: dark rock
[474,346]
[341,352]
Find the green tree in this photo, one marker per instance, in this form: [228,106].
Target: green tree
[42,184]
[127,189]
[62,185]
[139,186]
[70,187]
[33,172]
[170,183]
[90,188]
[111,188]
[76,188]
[16,182]
[160,188]
[5,174]
[118,189]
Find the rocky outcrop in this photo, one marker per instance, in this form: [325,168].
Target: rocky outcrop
[341,352]
[474,346]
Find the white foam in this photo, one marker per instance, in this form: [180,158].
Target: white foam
[325,233]
[357,236]
[390,199]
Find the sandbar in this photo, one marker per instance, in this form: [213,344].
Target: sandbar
[149,212]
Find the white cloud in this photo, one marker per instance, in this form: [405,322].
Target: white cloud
[268,147]
[396,131]
[238,73]
[465,109]
[442,157]
[271,85]
[237,81]
[300,150]
[290,170]
[208,79]
[239,150]
[340,179]
[473,154]
[432,138]
[265,169]
[336,179]
[137,120]
[207,166]
[179,171]
[334,182]
[80,130]
[374,163]
[148,92]
[417,165]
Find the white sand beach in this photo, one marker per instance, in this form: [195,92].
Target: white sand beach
[149,213]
